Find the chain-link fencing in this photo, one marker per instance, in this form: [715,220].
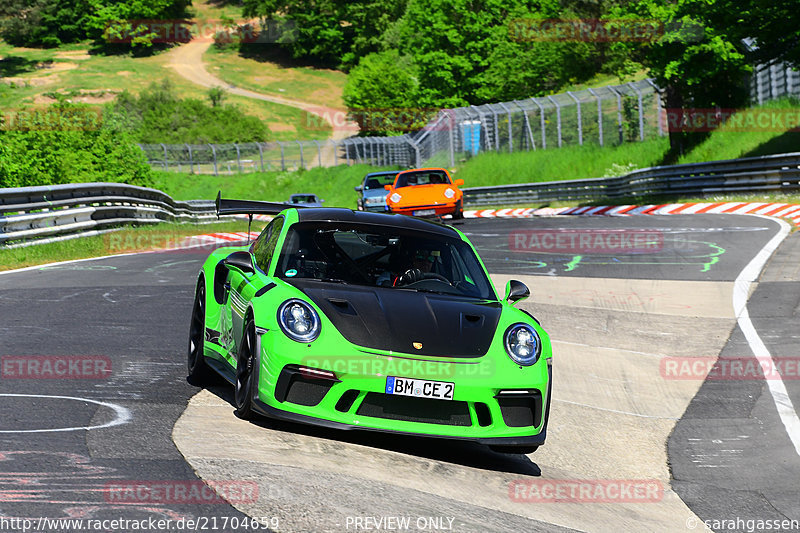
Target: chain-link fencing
[604,116]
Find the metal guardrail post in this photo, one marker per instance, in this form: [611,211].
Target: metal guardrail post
[496,130]
[261,155]
[526,124]
[214,158]
[558,117]
[166,167]
[641,109]
[191,162]
[302,161]
[614,90]
[510,134]
[283,158]
[541,122]
[451,124]
[418,157]
[319,153]
[580,123]
[599,114]
[335,153]
[773,83]
[658,107]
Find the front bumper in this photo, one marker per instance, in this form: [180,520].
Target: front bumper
[279,414]
[508,407]
[438,209]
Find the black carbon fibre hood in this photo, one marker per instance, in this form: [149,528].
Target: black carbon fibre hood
[395,319]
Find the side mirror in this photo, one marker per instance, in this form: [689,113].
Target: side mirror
[458,183]
[516,290]
[359,188]
[322,201]
[387,187]
[242,261]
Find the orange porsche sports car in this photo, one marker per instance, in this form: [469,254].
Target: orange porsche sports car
[425,192]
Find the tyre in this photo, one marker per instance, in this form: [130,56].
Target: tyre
[199,371]
[246,365]
[458,214]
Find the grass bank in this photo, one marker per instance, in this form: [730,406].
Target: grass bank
[593,161]
[333,184]
[132,239]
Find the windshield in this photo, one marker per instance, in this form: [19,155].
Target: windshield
[381,256]
[377,182]
[426,177]
[303,198]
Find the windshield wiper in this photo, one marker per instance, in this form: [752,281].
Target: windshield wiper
[420,289]
[330,280]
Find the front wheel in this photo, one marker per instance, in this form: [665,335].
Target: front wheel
[246,365]
[199,371]
[458,214]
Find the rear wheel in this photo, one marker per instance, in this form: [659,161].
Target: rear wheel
[199,371]
[246,372]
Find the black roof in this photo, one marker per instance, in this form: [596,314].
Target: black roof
[341,214]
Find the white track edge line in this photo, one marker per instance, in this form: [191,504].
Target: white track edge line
[741,290]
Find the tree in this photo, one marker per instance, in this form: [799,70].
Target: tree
[698,61]
[54,22]
[773,24]
[310,29]
[382,92]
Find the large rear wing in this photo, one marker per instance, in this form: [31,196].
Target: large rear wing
[227,206]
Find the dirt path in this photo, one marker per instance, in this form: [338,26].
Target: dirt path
[187,60]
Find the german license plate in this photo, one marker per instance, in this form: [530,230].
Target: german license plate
[420,388]
[424,212]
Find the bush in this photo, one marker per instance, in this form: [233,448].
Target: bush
[42,151]
[158,115]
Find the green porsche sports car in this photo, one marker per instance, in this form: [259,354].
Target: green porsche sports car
[359,320]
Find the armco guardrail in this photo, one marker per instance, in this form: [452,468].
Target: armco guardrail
[31,215]
[754,174]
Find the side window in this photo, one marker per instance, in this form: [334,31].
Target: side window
[264,247]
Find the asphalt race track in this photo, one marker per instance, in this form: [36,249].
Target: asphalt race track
[619,296]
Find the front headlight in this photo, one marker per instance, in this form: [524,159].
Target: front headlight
[298,320]
[523,344]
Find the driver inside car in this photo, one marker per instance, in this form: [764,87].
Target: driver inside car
[408,267]
[422,262]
